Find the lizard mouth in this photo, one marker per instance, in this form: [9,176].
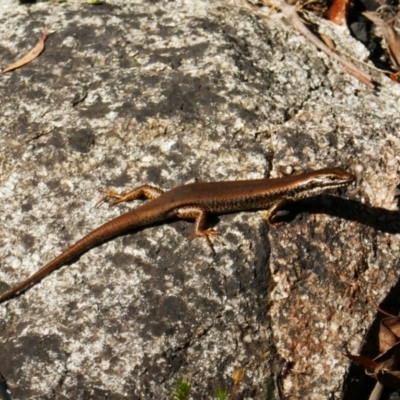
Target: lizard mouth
[340,185]
[320,190]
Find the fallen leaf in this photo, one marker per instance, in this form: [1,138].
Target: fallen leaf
[392,38]
[389,333]
[395,77]
[337,12]
[328,41]
[290,13]
[362,361]
[34,53]
[386,367]
[238,374]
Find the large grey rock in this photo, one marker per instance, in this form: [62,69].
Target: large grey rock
[169,93]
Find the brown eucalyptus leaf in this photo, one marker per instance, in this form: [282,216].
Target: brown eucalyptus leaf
[30,56]
[365,362]
[389,332]
[393,323]
[328,41]
[381,368]
[337,12]
[390,360]
[389,378]
[392,38]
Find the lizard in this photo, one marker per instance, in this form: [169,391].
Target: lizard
[195,201]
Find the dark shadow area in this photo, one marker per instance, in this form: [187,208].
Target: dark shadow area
[4,392]
[357,384]
[363,29]
[377,218]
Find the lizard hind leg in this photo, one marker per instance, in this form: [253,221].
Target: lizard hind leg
[199,214]
[147,191]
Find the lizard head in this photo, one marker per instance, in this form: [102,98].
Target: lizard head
[316,182]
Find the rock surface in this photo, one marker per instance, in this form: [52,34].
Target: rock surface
[169,93]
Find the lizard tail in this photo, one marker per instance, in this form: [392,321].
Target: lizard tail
[118,226]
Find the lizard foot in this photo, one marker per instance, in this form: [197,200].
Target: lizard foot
[208,234]
[111,194]
[269,218]
[273,224]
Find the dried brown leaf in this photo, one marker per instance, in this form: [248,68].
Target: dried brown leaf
[365,362]
[337,12]
[328,41]
[392,38]
[386,367]
[30,56]
[389,370]
[238,374]
[390,360]
[389,379]
[389,332]
[395,77]
[289,11]
[381,371]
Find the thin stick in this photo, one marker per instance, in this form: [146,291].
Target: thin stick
[377,392]
[289,11]
[383,71]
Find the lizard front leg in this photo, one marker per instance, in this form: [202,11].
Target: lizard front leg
[199,214]
[270,213]
[147,191]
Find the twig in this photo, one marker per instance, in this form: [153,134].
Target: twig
[377,392]
[289,11]
[383,71]
[380,309]
[392,38]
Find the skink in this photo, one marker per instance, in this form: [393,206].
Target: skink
[195,201]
